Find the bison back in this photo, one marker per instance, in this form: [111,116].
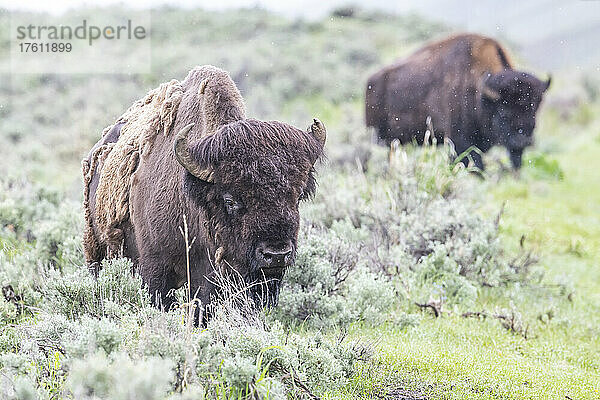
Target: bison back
[441,81]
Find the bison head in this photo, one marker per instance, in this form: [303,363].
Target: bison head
[248,178]
[510,100]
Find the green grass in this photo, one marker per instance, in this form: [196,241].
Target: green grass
[458,358]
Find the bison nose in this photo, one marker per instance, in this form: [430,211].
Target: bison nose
[273,256]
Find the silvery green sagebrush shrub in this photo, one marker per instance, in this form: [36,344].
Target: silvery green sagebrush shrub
[115,292]
[20,388]
[23,206]
[321,362]
[371,296]
[90,335]
[8,311]
[21,277]
[239,372]
[120,377]
[100,337]
[48,234]
[330,284]
[406,225]
[438,277]
[58,238]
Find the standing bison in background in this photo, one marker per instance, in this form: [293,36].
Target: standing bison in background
[187,149]
[468,87]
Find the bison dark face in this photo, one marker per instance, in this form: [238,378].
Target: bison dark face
[248,178]
[510,102]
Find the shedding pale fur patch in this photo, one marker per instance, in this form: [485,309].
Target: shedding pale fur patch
[208,98]
[144,120]
[91,246]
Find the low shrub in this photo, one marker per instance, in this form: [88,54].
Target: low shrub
[101,338]
[378,238]
[398,232]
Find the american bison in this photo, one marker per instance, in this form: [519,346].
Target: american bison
[468,86]
[187,149]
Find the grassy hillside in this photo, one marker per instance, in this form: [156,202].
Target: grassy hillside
[414,278]
[556,219]
[552,35]
[283,68]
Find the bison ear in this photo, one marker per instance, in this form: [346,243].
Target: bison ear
[184,157]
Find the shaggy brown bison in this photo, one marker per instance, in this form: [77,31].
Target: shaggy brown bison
[468,87]
[187,149]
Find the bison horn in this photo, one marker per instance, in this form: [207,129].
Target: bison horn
[548,81]
[318,131]
[490,93]
[183,156]
[487,91]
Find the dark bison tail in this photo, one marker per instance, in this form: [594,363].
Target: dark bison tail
[374,106]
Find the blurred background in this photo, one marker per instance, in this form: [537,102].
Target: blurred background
[292,60]
[552,33]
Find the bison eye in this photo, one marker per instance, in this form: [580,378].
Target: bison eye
[231,205]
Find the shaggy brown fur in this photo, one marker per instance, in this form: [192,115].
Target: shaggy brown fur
[246,217]
[468,86]
[117,156]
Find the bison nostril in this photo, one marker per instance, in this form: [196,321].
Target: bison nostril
[274,257]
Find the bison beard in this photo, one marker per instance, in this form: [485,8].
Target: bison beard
[263,287]
[238,181]
[467,86]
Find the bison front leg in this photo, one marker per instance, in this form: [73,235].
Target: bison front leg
[477,160]
[203,290]
[157,278]
[466,151]
[475,156]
